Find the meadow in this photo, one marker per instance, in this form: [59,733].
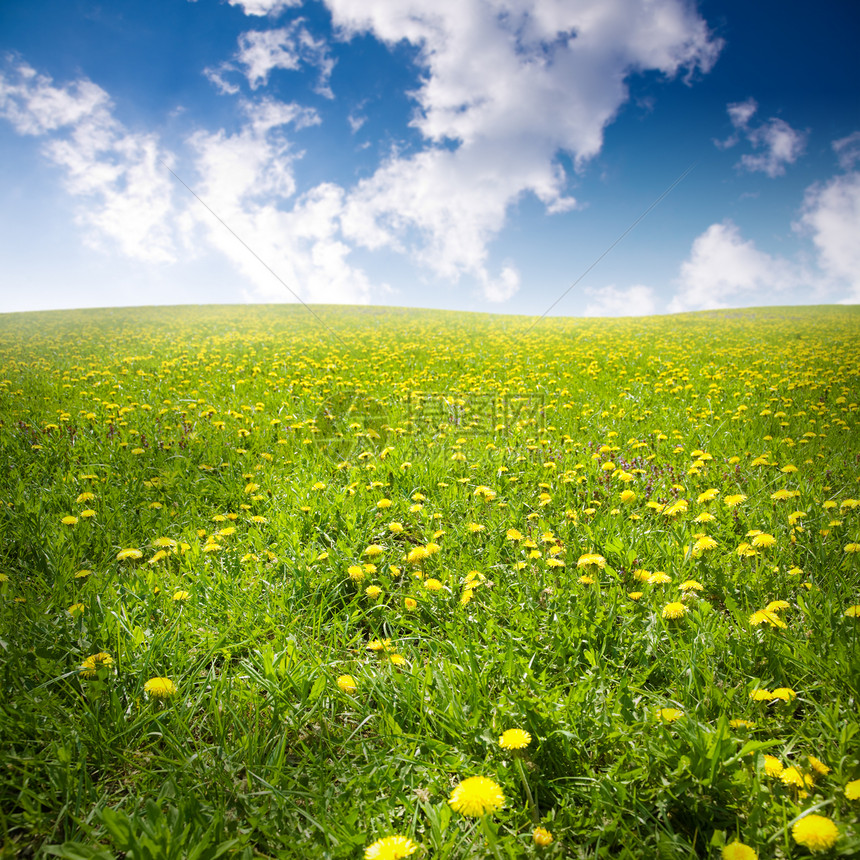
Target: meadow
[378,583]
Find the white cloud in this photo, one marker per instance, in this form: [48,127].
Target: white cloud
[127,193]
[247,179]
[831,215]
[262,51]
[847,150]
[779,142]
[723,270]
[609,301]
[506,86]
[264,7]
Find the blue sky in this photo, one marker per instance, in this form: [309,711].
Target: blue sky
[465,154]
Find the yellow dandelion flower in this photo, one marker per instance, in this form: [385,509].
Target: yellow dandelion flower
[691,585]
[777,606]
[734,500]
[591,559]
[634,595]
[853,611]
[818,766]
[410,603]
[476,796]
[390,848]
[395,528]
[69,521]
[131,553]
[585,579]
[374,550]
[180,595]
[160,688]
[763,616]
[94,662]
[707,496]
[673,610]
[738,851]
[379,645]
[659,578]
[763,540]
[356,572]
[417,555]
[761,695]
[466,596]
[514,534]
[669,715]
[852,547]
[373,591]
[742,724]
[514,739]
[815,832]
[852,790]
[433,585]
[786,694]
[382,504]
[542,837]
[773,766]
[76,609]
[347,683]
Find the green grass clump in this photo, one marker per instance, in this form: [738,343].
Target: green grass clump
[274,589]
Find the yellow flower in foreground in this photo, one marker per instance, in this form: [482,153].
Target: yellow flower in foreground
[784,693]
[373,591]
[853,612]
[763,540]
[542,837]
[390,848]
[433,585]
[669,715]
[123,554]
[674,610]
[763,616]
[94,662]
[180,595]
[160,688]
[347,683]
[410,603]
[634,595]
[514,739]
[795,778]
[732,501]
[738,851]
[69,521]
[818,766]
[476,796]
[773,766]
[355,572]
[691,585]
[514,534]
[591,558]
[816,832]
[852,790]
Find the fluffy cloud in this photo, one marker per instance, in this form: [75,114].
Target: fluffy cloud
[779,143]
[265,7]
[128,193]
[261,51]
[831,216]
[724,270]
[609,301]
[506,86]
[247,179]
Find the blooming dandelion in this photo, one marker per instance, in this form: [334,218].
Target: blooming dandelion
[765,617]
[786,694]
[356,572]
[673,610]
[738,851]
[669,715]
[542,837]
[347,683]
[773,766]
[373,591]
[93,663]
[734,500]
[591,559]
[818,766]
[815,832]
[130,553]
[433,585]
[691,585]
[763,541]
[514,739]
[69,521]
[795,778]
[160,688]
[410,603]
[476,796]
[853,611]
[181,596]
[390,848]
[852,790]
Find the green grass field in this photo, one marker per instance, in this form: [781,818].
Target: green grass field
[278,586]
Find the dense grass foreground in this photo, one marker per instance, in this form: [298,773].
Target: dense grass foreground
[268,591]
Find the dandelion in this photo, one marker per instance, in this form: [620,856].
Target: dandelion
[734,500]
[374,550]
[627,497]
[476,796]
[417,555]
[93,663]
[382,504]
[777,606]
[742,724]
[634,595]
[69,521]
[674,610]
[131,553]
[691,585]
[160,688]
[763,540]
[379,645]
[76,609]
[180,596]
[410,603]
[795,778]
[659,578]
[852,790]
[585,579]
[395,528]
[786,694]
[373,591]
[514,739]
[738,851]
[815,832]
[390,848]
[433,585]
[818,766]
[761,695]
[773,766]
[514,534]
[669,715]
[704,544]
[591,559]
[853,611]
[87,514]
[707,496]
[765,617]
[356,572]
[347,683]
[542,837]
[852,547]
